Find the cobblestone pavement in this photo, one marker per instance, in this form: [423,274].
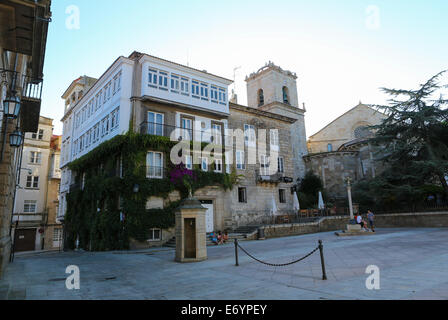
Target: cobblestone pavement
[413,264]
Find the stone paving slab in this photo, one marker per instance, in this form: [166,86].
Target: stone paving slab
[412,262]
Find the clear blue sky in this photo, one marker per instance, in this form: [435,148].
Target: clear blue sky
[341,51]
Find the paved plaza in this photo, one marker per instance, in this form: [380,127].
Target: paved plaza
[413,264]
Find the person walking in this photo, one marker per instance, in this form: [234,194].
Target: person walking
[371,218]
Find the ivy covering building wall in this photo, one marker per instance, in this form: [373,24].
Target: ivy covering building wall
[103,209]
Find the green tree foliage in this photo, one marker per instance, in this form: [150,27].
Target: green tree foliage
[413,142]
[309,189]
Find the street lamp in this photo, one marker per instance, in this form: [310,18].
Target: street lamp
[348,182]
[16,138]
[11,106]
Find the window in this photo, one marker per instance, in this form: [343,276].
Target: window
[155,123]
[285,95]
[214,94]
[35,157]
[240,160]
[249,134]
[204,163]
[119,81]
[280,165]
[152,78]
[195,89]
[39,135]
[108,90]
[204,91]
[29,206]
[175,83]
[216,133]
[114,118]
[274,139]
[188,162]
[329,147]
[260,97]
[264,165]
[32,182]
[155,235]
[184,84]
[105,126]
[187,128]
[104,94]
[100,102]
[154,165]
[81,143]
[222,96]
[282,195]
[218,165]
[91,108]
[163,80]
[57,237]
[95,133]
[242,196]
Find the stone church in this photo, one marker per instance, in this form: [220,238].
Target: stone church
[341,150]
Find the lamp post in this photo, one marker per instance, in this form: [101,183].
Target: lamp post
[16,138]
[11,106]
[348,182]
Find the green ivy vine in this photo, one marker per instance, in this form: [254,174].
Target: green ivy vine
[95,211]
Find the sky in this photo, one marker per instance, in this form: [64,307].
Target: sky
[342,51]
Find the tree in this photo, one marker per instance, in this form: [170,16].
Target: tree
[413,140]
[309,189]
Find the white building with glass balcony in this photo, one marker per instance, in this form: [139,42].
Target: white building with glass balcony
[154,96]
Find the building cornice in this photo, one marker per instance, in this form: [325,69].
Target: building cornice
[263,113]
[310,156]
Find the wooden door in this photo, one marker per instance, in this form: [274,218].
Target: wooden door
[25,240]
[190,238]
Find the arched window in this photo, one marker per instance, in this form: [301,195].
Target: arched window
[260,97]
[285,95]
[329,147]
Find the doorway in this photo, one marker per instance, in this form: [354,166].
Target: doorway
[25,240]
[209,215]
[190,238]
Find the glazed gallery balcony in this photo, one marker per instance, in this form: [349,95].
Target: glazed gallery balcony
[179,133]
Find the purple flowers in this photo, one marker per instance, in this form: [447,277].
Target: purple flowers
[182,176]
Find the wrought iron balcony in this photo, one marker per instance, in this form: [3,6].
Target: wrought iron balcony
[263,175]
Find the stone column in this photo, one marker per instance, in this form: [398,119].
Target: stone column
[190,231]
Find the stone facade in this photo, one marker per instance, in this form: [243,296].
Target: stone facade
[259,194]
[341,150]
[343,129]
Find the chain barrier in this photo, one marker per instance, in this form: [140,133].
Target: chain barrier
[279,264]
[319,247]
